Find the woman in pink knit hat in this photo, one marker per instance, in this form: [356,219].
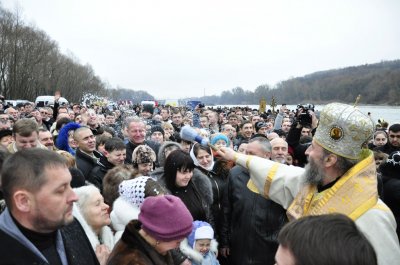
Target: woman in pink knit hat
[164,221]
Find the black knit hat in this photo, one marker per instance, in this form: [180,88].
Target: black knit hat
[4,133]
[259,125]
[157,128]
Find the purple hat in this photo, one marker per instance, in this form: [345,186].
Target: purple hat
[165,218]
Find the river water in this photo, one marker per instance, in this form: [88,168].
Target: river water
[391,114]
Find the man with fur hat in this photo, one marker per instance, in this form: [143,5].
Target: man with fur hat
[340,178]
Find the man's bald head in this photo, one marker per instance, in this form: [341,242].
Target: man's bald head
[279,150]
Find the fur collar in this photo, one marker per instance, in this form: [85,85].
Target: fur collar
[123,212]
[193,254]
[204,185]
[106,234]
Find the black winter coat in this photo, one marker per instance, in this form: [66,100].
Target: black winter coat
[251,223]
[97,174]
[388,148]
[86,163]
[131,146]
[218,183]
[200,185]
[390,174]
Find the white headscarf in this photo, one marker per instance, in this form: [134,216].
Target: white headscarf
[196,162]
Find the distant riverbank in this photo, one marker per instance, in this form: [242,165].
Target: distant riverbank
[391,114]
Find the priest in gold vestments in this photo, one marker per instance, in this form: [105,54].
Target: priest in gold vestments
[339,178]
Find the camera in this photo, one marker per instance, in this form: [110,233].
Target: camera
[305,118]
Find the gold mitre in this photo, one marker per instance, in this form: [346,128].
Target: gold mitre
[343,130]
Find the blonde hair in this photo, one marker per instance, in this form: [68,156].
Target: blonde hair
[166,125]
[69,159]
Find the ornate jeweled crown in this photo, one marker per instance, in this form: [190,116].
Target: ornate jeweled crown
[343,130]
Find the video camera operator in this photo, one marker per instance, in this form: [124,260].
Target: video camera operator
[299,137]
[304,114]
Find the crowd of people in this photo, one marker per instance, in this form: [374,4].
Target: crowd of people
[98,185]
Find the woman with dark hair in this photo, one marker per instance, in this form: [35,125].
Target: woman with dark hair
[192,187]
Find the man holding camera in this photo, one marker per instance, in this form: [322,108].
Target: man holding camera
[301,133]
[280,122]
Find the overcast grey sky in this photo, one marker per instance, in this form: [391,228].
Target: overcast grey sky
[183,48]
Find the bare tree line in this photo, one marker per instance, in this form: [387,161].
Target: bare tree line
[31,64]
[377,83]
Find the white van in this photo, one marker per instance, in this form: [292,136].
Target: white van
[149,102]
[49,100]
[14,103]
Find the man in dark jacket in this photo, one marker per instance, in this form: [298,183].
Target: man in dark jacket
[393,143]
[390,171]
[136,129]
[38,226]
[114,155]
[86,154]
[251,223]
[245,133]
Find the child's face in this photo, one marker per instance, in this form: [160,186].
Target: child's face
[220,143]
[202,246]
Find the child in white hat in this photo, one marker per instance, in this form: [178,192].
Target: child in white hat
[200,246]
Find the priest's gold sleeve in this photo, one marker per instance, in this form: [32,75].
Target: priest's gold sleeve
[273,180]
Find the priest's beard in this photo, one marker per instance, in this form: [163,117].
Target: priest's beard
[314,172]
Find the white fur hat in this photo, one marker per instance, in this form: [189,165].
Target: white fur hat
[204,232]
